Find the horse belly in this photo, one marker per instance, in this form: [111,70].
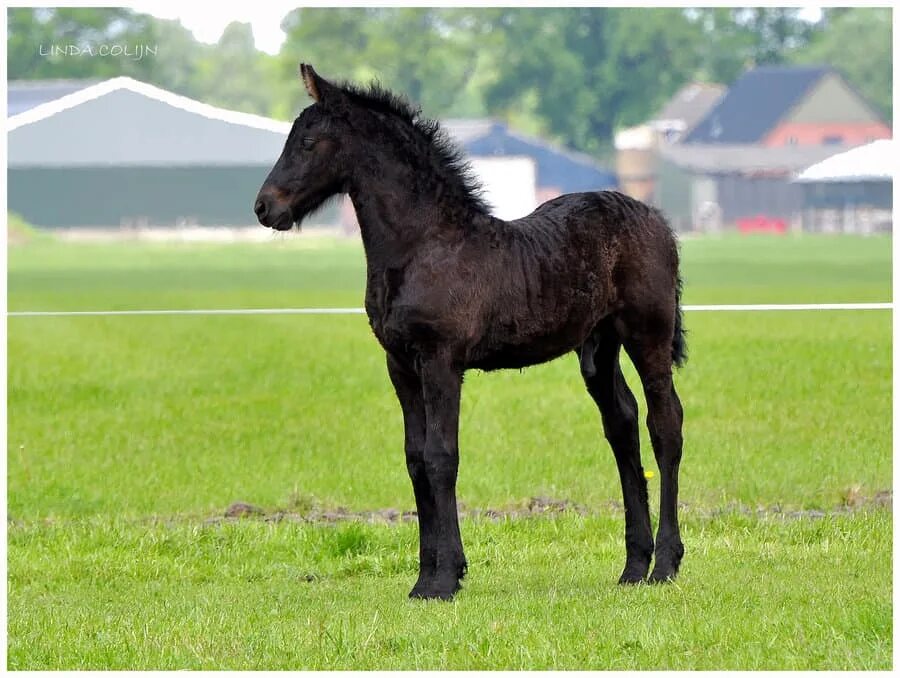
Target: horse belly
[511,348]
[517,357]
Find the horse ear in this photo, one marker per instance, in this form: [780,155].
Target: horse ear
[311,81]
[321,91]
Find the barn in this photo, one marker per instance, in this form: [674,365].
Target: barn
[124,153]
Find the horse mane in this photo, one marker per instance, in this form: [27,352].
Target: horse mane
[446,158]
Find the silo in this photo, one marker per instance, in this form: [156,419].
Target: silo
[636,161]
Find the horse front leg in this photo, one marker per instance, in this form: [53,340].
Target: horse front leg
[441,388]
[408,387]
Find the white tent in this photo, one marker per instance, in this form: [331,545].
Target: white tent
[509,183]
[876,161]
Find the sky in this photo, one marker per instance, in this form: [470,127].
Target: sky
[264,16]
[208,24]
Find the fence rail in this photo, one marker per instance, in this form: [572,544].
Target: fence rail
[876,306]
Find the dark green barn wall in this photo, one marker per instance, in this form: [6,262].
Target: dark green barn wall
[156,196]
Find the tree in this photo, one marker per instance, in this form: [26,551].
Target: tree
[234,74]
[735,39]
[428,54]
[776,31]
[175,66]
[857,42]
[573,74]
[31,32]
[587,71]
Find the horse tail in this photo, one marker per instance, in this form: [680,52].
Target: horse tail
[679,343]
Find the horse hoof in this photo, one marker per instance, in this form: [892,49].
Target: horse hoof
[666,566]
[434,591]
[662,575]
[631,578]
[431,595]
[635,572]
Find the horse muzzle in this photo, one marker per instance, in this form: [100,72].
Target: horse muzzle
[272,212]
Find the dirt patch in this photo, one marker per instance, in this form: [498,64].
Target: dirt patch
[240,510]
[535,506]
[531,508]
[309,511]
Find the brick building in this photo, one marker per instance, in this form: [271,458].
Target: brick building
[790,106]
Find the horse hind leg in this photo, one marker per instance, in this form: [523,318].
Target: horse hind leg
[653,360]
[603,377]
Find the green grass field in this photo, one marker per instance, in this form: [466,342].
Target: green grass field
[126,434]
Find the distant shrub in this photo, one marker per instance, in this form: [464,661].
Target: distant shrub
[19,231]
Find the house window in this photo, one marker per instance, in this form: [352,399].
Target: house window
[832,139]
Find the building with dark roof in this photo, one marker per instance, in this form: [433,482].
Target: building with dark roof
[687,107]
[559,170]
[790,105]
[736,164]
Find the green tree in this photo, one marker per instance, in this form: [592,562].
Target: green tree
[428,54]
[573,74]
[585,72]
[857,42]
[176,64]
[737,38]
[776,31]
[32,31]
[234,74]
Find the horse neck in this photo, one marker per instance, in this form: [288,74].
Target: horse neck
[397,213]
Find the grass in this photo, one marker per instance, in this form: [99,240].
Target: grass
[754,594]
[125,433]
[317,272]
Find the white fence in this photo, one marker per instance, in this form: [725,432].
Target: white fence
[877,306]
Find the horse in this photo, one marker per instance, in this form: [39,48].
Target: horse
[449,288]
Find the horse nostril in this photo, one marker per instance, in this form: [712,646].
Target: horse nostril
[261,209]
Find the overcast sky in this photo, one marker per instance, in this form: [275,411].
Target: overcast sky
[207,21]
[265,17]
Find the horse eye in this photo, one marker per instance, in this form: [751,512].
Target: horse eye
[308,143]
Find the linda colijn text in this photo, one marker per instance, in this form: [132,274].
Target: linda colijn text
[135,52]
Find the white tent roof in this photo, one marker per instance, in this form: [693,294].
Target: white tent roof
[123,122]
[50,108]
[876,161]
